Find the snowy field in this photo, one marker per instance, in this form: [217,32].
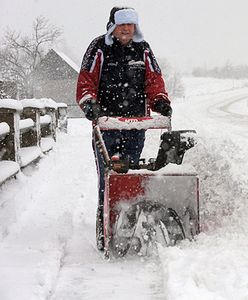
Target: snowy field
[47,215]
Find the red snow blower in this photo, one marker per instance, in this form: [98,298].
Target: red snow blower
[149,202]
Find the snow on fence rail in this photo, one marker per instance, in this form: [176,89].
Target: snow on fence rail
[4,130]
[27,129]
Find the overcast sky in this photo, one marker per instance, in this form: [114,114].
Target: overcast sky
[186,32]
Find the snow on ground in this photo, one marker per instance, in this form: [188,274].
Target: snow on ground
[42,203]
[48,232]
[47,215]
[215,266]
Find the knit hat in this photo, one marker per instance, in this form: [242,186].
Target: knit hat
[123,15]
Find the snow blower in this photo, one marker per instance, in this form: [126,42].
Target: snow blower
[149,202]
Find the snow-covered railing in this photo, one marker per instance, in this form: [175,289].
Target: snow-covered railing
[4,130]
[48,124]
[27,129]
[45,120]
[26,125]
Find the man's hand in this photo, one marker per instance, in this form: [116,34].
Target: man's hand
[163,107]
[91,109]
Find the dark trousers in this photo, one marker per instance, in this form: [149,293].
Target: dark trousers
[125,143]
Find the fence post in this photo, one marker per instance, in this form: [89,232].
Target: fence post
[50,109]
[32,109]
[10,113]
[62,117]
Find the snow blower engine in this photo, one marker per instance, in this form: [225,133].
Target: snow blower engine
[172,148]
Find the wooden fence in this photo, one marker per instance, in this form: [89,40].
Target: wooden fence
[28,129]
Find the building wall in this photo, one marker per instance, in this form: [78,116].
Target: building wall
[60,90]
[55,78]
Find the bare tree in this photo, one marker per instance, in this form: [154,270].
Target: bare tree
[173,79]
[20,54]
[3,94]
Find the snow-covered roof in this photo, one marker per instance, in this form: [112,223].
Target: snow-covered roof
[68,60]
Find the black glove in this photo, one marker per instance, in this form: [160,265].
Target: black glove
[91,109]
[163,107]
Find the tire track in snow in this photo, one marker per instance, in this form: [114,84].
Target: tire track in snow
[61,264]
[227,113]
[87,275]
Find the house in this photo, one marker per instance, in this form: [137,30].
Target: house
[56,77]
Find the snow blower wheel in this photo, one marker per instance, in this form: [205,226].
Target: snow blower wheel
[144,224]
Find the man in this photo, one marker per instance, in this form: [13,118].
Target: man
[120,77]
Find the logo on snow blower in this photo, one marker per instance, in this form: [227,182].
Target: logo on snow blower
[134,120]
[131,121]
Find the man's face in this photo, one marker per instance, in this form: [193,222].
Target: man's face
[124,33]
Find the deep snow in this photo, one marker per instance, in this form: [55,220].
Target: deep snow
[47,214]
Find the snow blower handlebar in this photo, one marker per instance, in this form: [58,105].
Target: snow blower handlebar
[101,145]
[139,123]
[172,148]
[122,123]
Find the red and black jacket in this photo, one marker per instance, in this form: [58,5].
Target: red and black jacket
[125,80]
